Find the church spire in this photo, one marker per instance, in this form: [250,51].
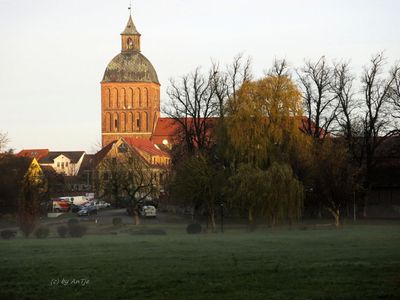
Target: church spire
[130,28]
[130,37]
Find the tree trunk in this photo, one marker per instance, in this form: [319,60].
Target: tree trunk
[365,204]
[337,219]
[136,219]
[211,220]
[250,216]
[250,220]
[336,215]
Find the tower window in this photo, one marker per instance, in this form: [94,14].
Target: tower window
[116,124]
[138,123]
[129,43]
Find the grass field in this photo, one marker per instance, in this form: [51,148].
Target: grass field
[355,262]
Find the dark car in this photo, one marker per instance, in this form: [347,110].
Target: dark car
[75,208]
[87,211]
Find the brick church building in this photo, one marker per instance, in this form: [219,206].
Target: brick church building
[130,96]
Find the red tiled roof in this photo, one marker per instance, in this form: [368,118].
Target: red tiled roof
[145,146]
[33,153]
[168,129]
[311,128]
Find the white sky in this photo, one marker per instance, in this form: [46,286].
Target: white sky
[53,53]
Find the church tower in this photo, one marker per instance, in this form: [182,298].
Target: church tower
[130,92]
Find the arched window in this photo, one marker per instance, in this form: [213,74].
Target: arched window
[145,122]
[116,122]
[129,43]
[107,98]
[108,122]
[122,98]
[145,98]
[122,122]
[138,122]
[114,98]
[129,123]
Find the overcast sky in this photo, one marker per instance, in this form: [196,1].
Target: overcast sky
[53,53]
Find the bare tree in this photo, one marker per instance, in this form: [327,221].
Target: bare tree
[395,91]
[196,98]
[192,105]
[127,176]
[319,102]
[280,68]
[365,118]
[377,122]
[342,86]
[4,140]
[227,82]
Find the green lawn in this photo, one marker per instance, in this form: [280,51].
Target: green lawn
[356,262]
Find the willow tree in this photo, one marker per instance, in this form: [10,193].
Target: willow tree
[263,126]
[264,119]
[283,194]
[274,194]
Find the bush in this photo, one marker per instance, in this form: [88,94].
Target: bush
[117,221]
[72,222]
[62,231]
[153,231]
[193,228]
[77,230]
[26,227]
[8,234]
[42,232]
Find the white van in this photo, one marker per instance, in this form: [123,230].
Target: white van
[77,200]
[148,211]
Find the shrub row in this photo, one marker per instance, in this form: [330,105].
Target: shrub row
[153,231]
[73,228]
[8,234]
[193,228]
[117,221]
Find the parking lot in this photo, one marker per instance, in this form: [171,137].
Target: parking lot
[105,216]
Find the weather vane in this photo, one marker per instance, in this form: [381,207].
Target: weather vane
[130,7]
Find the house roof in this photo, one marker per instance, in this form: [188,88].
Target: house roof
[99,156]
[88,163]
[47,169]
[74,156]
[146,146]
[33,153]
[169,129]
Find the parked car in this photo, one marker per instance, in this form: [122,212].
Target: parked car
[148,211]
[87,211]
[75,208]
[100,204]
